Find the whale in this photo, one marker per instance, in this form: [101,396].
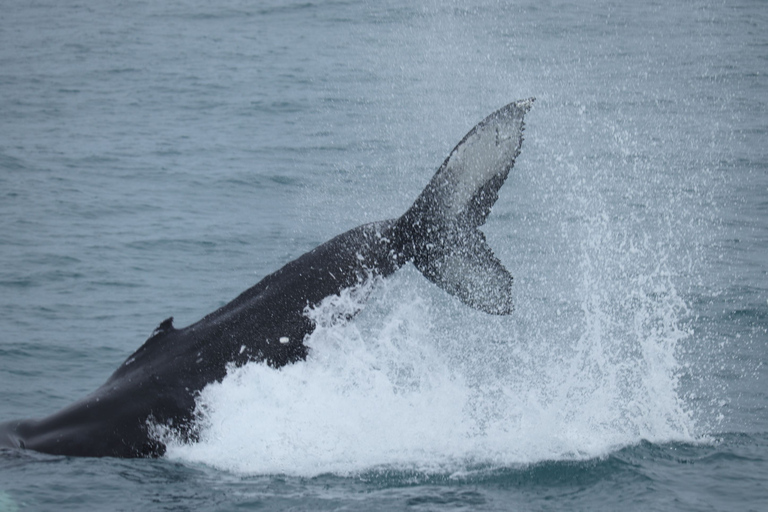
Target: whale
[156,387]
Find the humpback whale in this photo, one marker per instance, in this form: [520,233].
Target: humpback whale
[158,384]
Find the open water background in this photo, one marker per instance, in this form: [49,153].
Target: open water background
[157,158]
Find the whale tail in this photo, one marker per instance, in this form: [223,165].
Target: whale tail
[440,234]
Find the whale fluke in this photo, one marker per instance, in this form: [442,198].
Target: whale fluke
[440,231]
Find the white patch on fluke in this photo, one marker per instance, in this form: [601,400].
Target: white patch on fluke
[485,153]
[285,340]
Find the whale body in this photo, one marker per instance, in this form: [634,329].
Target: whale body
[158,384]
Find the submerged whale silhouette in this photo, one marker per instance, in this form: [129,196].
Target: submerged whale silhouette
[158,384]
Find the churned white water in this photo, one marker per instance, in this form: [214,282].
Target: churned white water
[419,381]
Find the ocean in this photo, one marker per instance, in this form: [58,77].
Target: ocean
[158,158]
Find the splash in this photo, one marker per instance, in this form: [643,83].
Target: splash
[587,364]
[417,381]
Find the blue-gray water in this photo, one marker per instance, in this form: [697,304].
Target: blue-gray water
[157,158]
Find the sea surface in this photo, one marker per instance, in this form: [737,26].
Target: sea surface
[158,158]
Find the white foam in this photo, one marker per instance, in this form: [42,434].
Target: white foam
[419,381]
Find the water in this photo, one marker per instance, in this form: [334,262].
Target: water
[158,159]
